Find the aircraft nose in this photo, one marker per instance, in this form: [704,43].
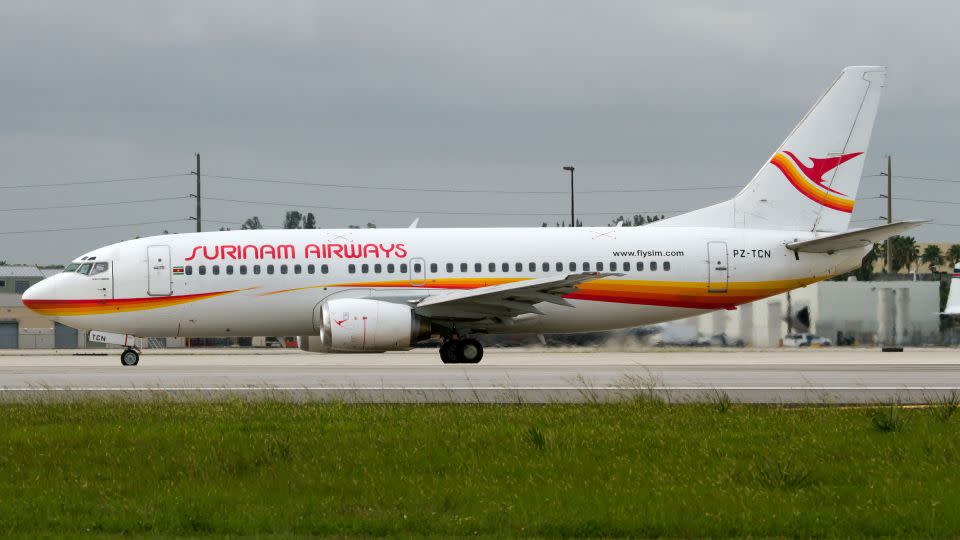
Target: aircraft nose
[38,292]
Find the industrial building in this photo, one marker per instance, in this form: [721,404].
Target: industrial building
[22,328]
[868,312]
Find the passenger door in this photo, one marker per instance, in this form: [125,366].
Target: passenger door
[718,267]
[418,272]
[159,276]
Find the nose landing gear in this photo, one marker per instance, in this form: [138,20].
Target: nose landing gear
[130,357]
[461,351]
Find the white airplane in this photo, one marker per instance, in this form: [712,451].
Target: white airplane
[381,290]
[953,297]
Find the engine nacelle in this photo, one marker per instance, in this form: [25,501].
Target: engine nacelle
[363,325]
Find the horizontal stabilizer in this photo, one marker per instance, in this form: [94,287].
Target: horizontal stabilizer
[856,238]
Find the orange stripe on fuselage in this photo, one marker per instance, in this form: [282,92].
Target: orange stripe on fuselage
[67,308]
[808,188]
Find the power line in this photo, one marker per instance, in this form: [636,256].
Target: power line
[450,190]
[95,227]
[86,182]
[432,212]
[92,204]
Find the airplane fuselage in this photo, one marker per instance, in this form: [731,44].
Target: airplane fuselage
[271,282]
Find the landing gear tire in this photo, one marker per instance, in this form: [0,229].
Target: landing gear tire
[129,357]
[448,353]
[461,351]
[469,351]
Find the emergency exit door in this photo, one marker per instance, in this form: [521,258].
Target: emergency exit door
[718,273]
[159,273]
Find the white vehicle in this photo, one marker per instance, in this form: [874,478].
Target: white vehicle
[379,290]
[804,339]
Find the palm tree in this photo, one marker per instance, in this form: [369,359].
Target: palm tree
[932,257]
[904,252]
[953,254]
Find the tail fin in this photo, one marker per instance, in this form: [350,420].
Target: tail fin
[953,298]
[811,181]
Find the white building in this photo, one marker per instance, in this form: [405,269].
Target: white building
[905,312]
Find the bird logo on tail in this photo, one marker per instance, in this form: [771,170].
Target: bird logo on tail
[809,179]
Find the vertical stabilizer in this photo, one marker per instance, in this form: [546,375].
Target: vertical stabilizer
[953,298]
[811,181]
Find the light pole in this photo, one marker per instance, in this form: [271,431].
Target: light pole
[572,217]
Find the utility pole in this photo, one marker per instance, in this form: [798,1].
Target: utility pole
[573,222]
[199,227]
[889,211]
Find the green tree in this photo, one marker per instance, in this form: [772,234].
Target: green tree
[904,252]
[932,257]
[292,220]
[309,222]
[953,254]
[252,223]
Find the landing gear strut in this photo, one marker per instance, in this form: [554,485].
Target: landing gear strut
[461,351]
[129,357]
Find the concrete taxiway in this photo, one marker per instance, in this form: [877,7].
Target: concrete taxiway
[505,375]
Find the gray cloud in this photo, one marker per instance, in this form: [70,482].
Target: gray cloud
[493,94]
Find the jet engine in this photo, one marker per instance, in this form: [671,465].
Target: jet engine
[364,325]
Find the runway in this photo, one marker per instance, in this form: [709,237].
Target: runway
[504,376]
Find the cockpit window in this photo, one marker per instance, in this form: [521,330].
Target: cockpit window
[99,268]
[84,268]
[72,267]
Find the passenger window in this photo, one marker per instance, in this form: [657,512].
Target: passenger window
[613,267]
[477,267]
[352,269]
[518,266]
[492,267]
[639,266]
[599,267]
[243,269]
[297,269]
[403,268]
[626,266]
[270,269]
[256,269]
[666,266]
[99,268]
[559,267]
[230,269]
[416,267]
[653,266]
[573,267]
[324,268]
[364,268]
[311,269]
[532,267]
[188,270]
[505,267]
[283,269]
[216,269]
[586,267]
[390,268]
[84,268]
[449,267]
[202,270]
[433,268]
[545,266]
[463,267]
[377,268]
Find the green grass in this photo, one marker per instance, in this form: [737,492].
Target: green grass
[641,469]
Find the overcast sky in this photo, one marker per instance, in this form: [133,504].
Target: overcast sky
[462,95]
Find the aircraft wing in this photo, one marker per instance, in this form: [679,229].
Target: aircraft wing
[856,238]
[505,300]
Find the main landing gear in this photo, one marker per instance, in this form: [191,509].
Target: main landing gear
[130,357]
[461,351]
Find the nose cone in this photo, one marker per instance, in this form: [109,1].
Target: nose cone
[36,296]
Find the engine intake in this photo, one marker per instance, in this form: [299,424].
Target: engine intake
[364,325]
